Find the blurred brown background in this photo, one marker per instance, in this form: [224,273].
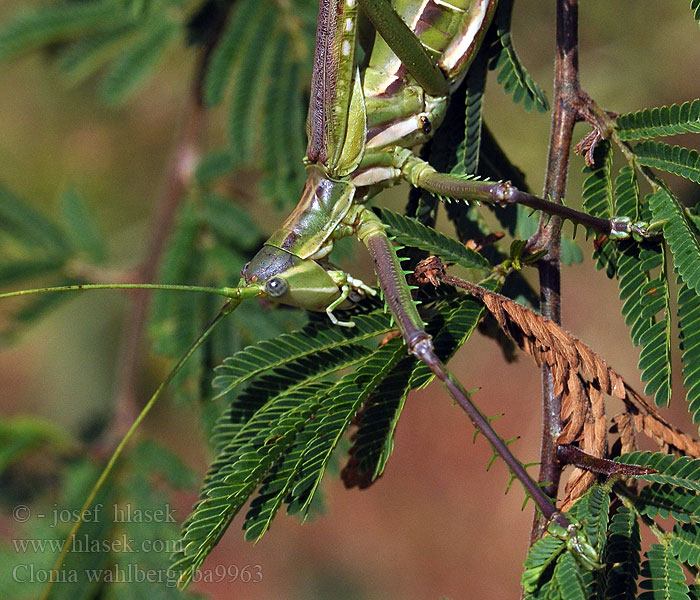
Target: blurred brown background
[436,524]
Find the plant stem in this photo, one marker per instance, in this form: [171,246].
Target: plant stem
[567,100]
[177,181]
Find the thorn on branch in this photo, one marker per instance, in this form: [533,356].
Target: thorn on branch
[567,454]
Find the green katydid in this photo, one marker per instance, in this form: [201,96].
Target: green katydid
[363,121]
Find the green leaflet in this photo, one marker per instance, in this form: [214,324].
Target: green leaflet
[373,442]
[624,545]
[128,72]
[21,435]
[283,168]
[253,76]
[695,7]
[597,192]
[296,373]
[214,165]
[24,225]
[599,201]
[541,556]
[641,271]
[592,510]
[511,72]
[664,575]
[673,159]
[664,120]
[229,222]
[680,235]
[88,54]
[82,230]
[549,559]
[412,233]
[31,246]
[569,578]
[230,482]
[689,333]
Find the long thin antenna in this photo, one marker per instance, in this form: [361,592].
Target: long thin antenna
[229,307]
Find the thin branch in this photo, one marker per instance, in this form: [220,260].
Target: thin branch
[177,180]
[567,101]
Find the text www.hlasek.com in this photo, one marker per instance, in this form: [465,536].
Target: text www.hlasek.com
[134,573]
[84,544]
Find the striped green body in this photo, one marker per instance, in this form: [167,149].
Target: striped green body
[397,107]
[356,119]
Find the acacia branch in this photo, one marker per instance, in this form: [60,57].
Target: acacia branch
[566,109]
[178,178]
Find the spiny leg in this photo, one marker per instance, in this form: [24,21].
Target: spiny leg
[421,174]
[398,298]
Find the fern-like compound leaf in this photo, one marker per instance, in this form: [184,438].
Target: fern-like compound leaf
[672,159]
[664,577]
[29,228]
[597,188]
[680,234]
[283,168]
[569,579]
[598,200]
[266,355]
[685,543]
[230,483]
[678,471]
[30,30]
[641,272]
[81,228]
[541,556]
[665,120]
[689,333]
[253,75]
[234,40]
[467,153]
[334,416]
[592,509]
[266,389]
[373,442]
[129,71]
[275,489]
[695,7]
[86,55]
[511,72]
[412,233]
[624,545]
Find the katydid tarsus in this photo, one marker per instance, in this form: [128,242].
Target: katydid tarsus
[364,120]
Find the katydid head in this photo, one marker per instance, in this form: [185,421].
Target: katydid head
[291,280]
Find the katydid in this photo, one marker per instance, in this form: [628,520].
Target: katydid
[363,122]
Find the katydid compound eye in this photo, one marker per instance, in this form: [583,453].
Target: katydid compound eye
[426,125]
[276,287]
